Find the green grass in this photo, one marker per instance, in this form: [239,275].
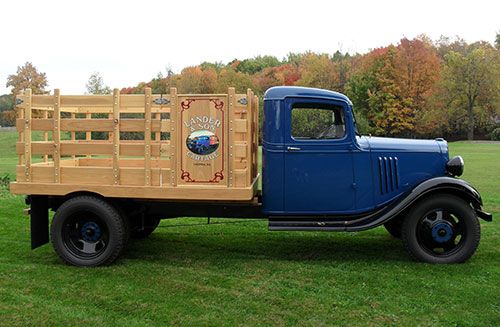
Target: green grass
[241,274]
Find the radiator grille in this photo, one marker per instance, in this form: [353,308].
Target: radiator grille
[389,174]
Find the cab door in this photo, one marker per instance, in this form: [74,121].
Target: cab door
[318,164]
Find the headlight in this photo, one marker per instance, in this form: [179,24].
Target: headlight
[455,166]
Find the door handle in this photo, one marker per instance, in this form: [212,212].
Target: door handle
[292,148]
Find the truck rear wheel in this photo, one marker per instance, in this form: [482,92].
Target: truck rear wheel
[143,227]
[88,231]
[441,229]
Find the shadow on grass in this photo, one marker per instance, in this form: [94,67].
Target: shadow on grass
[216,245]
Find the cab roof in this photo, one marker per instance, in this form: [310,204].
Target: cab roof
[282,92]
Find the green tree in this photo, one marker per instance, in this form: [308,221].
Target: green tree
[472,79]
[229,77]
[27,76]
[95,85]
[256,64]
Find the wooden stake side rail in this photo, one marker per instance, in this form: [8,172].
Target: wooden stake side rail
[190,146]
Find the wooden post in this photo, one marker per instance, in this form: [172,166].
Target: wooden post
[173,135]
[20,114]
[73,134]
[88,135]
[56,136]
[147,136]
[255,136]
[249,136]
[27,136]
[46,135]
[116,136]
[230,135]
[158,134]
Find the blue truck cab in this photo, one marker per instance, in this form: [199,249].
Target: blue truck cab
[319,173]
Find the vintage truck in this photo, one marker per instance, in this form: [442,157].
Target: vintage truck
[112,166]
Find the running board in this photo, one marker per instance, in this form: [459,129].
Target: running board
[308,225]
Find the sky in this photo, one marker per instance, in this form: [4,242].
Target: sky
[132,41]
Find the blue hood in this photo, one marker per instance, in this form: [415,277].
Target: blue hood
[382,144]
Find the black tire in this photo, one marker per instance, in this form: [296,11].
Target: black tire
[441,229]
[394,226]
[143,227]
[87,231]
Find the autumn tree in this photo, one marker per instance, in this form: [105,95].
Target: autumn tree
[318,70]
[417,69]
[196,80]
[377,96]
[7,114]
[27,76]
[286,75]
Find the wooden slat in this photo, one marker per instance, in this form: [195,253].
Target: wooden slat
[83,125]
[132,100]
[94,125]
[70,148]
[86,101]
[230,135]
[116,136]
[56,136]
[147,136]
[36,148]
[89,148]
[240,125]
[205,193]
[80,175]
[240,150]
[107,162]
[174,126]
[20,177]
[123,110]
[43,174]
[240,177]
[27,135]
[42,101]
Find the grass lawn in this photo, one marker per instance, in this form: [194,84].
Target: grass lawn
[241,274]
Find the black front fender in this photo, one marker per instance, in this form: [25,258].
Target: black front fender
[456,186]
[438,185]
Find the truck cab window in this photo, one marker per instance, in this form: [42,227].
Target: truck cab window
[317,121]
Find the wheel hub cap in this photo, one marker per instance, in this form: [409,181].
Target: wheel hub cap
[442,232]
[90,232]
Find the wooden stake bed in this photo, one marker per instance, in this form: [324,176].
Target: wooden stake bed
[184,147]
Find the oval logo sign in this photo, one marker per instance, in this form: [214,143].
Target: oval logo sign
[202,142]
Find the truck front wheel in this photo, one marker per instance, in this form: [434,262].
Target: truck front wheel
[393,226]
[441,229]
[88,231]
